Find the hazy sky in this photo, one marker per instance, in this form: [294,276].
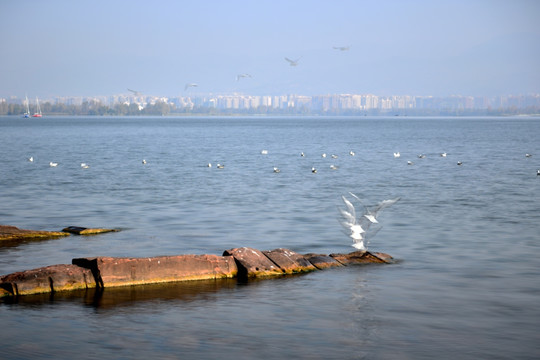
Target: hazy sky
[397,47]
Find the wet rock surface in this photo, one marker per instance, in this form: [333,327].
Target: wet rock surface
[242,263]
[78,230]
[13,233]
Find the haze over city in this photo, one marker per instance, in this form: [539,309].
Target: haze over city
[176,48]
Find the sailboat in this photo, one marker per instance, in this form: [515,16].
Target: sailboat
[38,112]
[27,113]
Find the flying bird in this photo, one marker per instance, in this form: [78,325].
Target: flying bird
[292,62]
[190,85]
[358,228]
[135,92]
[240,76]
[342,48]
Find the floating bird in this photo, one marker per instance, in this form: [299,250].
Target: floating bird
[31,159]
[359,227]
[53,164]
[528,155]
[323,155]
[276,170]
[333,167]
[313,170]
[421,156]
[209,165]
[292,62]
[219,166]
[443,154]
[341,48]
[397,154]
[240,76]
[264,152]
[302,154]
[410,163]
[334,156]
[144,161]
[190,85]
[537,172]
[85,165]
[351,153]
[459,163]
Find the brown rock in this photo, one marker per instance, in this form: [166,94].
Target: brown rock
[361,257]
[47,279]
[8,232]
[322,261]
[86,231]
[289,261]
[132,271]
[252,263]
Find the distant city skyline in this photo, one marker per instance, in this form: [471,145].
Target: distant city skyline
[61,48]
[136,103]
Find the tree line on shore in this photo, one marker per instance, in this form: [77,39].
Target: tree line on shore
[96,108]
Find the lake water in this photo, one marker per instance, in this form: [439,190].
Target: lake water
[467,238]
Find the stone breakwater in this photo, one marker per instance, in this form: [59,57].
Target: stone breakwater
[242,263]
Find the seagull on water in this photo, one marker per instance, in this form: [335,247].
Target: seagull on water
[538,172]
[143,161]
[276,170]
[358,228]
[333,167]
[443,154]
[410,163]
[313,170]
[53,164]
[351,153]
[85,165]
[219,166]
[397,154]
[459,163]
[421,156]
[31,159]
[264,152]
[528,155]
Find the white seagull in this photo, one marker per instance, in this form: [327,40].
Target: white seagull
[276,170]
[53,164]
[240,76]
[358,227]
[397,154]
[85,165]
[292,62]
[190,85]
[31,159]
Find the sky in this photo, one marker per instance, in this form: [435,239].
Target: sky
[396,47]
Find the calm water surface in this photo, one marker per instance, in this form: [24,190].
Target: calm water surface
[467,237]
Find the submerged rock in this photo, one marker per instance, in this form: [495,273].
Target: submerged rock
[253,263]
[47,279]
[78,230]
[242,263]
[13,233]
